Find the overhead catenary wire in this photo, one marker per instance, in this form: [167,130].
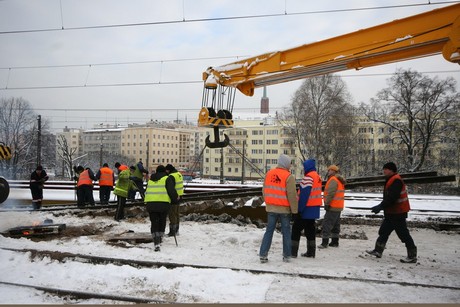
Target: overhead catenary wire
[184,20]
[86,85]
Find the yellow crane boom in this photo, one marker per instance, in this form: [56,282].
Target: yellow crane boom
[421,35]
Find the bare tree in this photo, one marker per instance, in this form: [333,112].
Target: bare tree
[17,122]
[418,110]
[321,120]
[66,153]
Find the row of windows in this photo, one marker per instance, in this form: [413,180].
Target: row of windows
[153,144]
[134,152]
[154,136]
[380,141]
[261,142]
[261,132]
[371,130]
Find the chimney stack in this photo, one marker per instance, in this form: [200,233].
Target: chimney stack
[264,103]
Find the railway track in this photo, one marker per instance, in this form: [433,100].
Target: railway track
[88,295]
[63,256]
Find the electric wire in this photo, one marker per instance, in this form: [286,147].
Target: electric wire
[225,18]
[85,85]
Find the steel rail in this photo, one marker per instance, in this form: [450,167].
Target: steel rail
[89,295]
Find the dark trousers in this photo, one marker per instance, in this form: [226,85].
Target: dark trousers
[399,225]
[120,212]
[158,213]
[104,194]
[37,196]
[174,216]
[308,226]
[140,187]
[85,195]
[331,224]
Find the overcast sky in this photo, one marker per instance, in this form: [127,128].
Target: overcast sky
[159,66]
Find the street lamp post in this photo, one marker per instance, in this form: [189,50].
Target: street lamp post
[100,154]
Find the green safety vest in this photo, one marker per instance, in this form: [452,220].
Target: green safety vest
[156,191]
[179,183]
[138,173]
[123,184]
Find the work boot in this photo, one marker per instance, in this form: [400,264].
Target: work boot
[324,243]
[311,249]
[378,250]
[172,230]
[411,255]
[294,248]
[156,241]
[334,242]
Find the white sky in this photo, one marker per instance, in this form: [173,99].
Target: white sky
[198,44]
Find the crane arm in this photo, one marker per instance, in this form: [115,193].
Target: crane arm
[425,34]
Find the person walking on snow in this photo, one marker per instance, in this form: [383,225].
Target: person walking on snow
[310,201]
[334,199]
[160,193]
[395,206]
[279,193]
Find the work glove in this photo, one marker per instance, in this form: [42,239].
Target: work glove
[376,209]
[294,216]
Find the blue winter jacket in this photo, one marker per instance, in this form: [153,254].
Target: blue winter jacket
[305,212]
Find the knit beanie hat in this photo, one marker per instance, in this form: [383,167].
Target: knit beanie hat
[391,166]
[170,168]
[161,169]
[333,167]
[284,161]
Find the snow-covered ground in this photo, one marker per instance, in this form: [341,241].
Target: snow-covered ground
[230,246]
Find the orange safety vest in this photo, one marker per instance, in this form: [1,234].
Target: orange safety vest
[402,205]
[275,192]
[122,167]
[106,178]
[339,197]
[84,179]
[315,199]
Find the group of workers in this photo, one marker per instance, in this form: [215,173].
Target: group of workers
[283,203]
[162,196]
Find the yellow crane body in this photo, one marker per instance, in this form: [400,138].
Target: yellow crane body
[421,35]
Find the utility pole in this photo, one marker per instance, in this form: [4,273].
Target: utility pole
[221,166]
[39,140]
[148,159]
[242,163]
[100,154]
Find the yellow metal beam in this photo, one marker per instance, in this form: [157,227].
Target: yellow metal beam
[421,35]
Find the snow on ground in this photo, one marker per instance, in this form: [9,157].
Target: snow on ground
[230,246]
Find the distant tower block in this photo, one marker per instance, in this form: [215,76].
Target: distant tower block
[264,103]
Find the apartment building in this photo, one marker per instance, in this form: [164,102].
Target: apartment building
[157,146]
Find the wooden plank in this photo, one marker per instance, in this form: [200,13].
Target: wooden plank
[132,237]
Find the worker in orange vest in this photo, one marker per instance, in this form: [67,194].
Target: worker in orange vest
[85,186]
[121,167]
[395,206]
[280,203]
[106,182]
[334,199]
[310,201]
